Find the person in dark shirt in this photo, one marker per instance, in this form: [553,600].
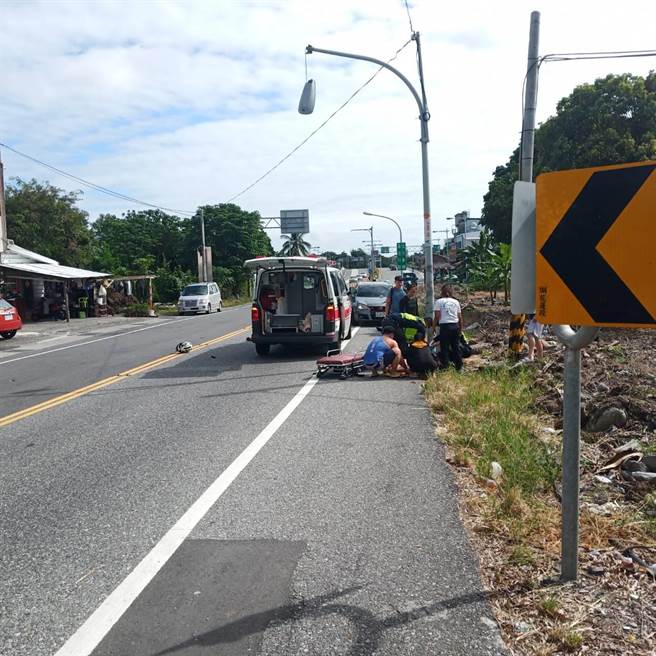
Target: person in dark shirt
[409,302]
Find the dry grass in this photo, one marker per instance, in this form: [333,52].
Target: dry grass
[515,525]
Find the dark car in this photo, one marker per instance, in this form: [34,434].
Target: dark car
[369,301]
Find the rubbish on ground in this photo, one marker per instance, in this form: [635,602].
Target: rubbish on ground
[184,347]
[496,471]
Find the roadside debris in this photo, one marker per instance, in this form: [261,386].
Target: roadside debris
[184,347]
[611,609]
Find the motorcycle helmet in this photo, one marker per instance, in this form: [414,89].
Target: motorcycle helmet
[183,347]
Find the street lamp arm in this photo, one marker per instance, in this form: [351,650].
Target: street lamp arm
[423,113]
[389,218]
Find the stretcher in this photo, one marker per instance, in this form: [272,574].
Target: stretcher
[341,364]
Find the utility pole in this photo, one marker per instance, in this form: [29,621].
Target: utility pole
[3,211]
[373,257]
[530,101]
[516,332]
[202,237]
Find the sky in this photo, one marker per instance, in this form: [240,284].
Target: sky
[187,103]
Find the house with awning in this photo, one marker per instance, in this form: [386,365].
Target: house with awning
[29,275]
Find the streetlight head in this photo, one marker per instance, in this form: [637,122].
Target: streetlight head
[306,103]
[367,213]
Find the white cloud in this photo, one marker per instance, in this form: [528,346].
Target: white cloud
[183,103]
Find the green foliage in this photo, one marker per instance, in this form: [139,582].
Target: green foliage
[168,284]
[234,235]
[489,414]
[486,265]
[43,218]
[611,121]
[137,310]
[295,245]
[138,242]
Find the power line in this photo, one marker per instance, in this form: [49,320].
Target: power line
[346,102]
[117,194]
[93,185]
[578,56]
[412,29]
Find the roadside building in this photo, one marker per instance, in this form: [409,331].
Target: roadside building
[36,284]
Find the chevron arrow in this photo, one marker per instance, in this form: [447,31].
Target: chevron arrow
[571,249]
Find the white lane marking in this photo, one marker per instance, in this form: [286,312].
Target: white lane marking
[102,339]
[100,622]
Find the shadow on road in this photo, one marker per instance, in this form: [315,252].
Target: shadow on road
[368,630]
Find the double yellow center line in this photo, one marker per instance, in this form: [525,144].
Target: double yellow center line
[69,396]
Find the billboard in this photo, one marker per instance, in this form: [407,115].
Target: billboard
[294,221]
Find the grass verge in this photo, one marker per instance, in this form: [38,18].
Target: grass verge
[488,417]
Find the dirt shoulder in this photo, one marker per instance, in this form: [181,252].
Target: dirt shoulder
[501,422]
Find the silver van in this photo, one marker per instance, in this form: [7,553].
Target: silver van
[200,297]
[298,300]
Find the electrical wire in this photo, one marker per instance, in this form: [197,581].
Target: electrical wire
[346,102]
[93,185]
[412,29]
[577,56]
[119,195]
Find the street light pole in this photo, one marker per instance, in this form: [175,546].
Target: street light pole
[389,218]
[372,262]
[424,117]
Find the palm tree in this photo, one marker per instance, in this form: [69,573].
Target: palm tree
[295,245]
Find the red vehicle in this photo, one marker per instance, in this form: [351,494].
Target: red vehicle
[10,321]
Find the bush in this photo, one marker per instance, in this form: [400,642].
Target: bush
[137,310]
[167,285]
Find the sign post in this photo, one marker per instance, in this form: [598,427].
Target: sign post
[595,266]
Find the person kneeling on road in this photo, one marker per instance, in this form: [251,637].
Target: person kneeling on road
[383,354]
[419,357]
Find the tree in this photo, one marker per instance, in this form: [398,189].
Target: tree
[234,234]
[611,121]
[295,245]
[124,243]
[44,218]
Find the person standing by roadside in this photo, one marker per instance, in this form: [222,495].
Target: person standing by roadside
[409,303]
[393,302]
[448,315]
[534,338]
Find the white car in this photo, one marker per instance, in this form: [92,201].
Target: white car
[200,297]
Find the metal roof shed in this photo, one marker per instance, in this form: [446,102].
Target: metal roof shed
[27,265]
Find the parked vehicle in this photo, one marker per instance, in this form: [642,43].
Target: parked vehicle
[200,297]
[298,300]
[49,308]
[369,301]
[10,321]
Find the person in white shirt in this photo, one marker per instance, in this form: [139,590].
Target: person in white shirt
[448,315]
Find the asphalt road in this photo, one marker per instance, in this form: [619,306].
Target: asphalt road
[224,503]
[34,372]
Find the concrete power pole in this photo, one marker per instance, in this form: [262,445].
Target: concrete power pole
[530,101]
[3,212]
[516,336]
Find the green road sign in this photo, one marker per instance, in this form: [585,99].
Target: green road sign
[384,249]
[401,255]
